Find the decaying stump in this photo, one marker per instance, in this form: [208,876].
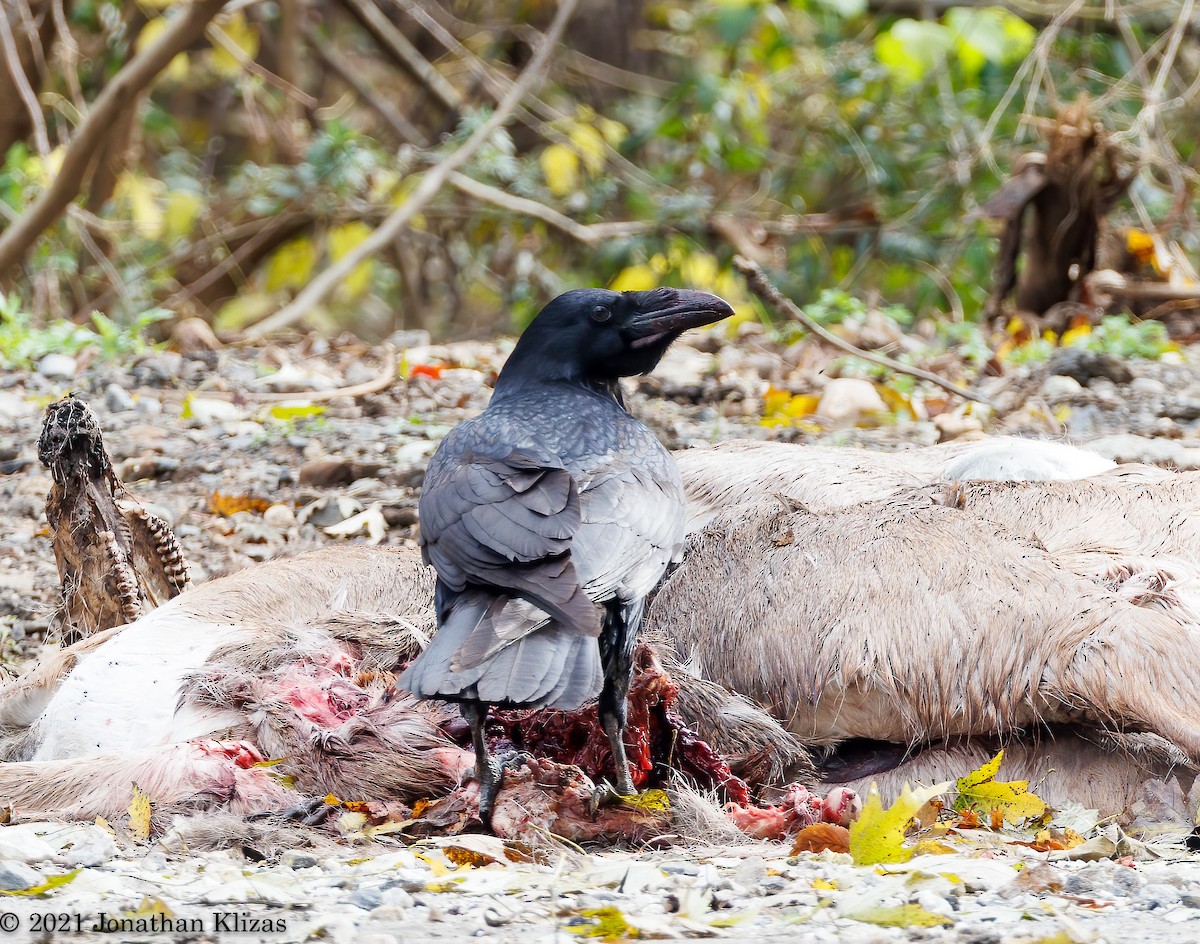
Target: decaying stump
[115,559]
[1053,207]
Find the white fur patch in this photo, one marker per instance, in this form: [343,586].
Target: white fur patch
[124,695]
[1029,460]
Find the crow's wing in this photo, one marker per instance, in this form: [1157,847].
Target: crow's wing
[632,527]
[507,523]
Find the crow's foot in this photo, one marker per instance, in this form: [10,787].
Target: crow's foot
[310,812]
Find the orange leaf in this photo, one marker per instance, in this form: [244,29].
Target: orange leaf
[468,857]
[432,371]
[229,505]
[822,836]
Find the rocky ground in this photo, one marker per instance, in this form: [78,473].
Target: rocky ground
[257,452]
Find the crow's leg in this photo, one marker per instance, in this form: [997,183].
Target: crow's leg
[489,773]
[617,640]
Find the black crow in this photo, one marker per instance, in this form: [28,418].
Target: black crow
[550,516]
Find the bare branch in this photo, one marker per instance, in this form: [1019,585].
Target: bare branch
[587,234]
[219,36]
[405,130]
[397,44]
[774,299]
[430,185]
[136,75]
[8,41]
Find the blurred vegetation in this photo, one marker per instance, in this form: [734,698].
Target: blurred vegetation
[841,145]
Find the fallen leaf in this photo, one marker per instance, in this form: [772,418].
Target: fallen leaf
[55,881]
[467,858]
[139,814]
[981,792]
[609,925]
[878,834]
[820,837]
[370,522]
[229,505]
[901,916]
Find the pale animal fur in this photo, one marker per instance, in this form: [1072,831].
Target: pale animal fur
[906,620]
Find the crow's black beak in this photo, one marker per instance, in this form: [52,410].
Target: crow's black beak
[670,311]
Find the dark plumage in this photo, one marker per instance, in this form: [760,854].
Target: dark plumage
[551,515]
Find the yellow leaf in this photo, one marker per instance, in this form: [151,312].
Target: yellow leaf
[55,881]
[183,206]
[242,310]
[613,131]
[900,916]
[560,167]
[635,278]
[291,265]
[140,194]
[294,411]
[242,35]
[342,239]
[980,791]
[933,847]
[438,869]
[1078,333]
[699,270]
[139,815]
[610,925]
[878,835]
[149,907]
[589,144]
[177,68]
[41,171]
[824,884]
[648,801]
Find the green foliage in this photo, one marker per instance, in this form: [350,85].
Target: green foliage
[889,131]
[1126,337]
[23,343]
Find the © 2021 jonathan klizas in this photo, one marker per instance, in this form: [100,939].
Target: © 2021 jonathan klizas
[63,922]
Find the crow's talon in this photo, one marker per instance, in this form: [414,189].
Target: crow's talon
[310,812]
[607,795]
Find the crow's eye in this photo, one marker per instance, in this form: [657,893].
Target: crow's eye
[600,314]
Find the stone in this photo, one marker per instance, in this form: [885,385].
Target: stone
[1058,387]
[15,876]
[849,401]
[57,367]
[117,399]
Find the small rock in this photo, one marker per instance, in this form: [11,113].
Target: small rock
[14,406]
[193,336]
[1148,387]
[1126,447]
[1084,365]
[91,848]
[396,897]
[1059,387]
[148,406]
[850,400]
[279,516]
[57,367]
[15,876]
[298,860]
[334,471]
[157,369]
[117,398]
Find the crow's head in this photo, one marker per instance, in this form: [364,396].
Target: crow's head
[592,335]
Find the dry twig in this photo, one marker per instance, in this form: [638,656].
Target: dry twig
[774,299]
[430,185]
